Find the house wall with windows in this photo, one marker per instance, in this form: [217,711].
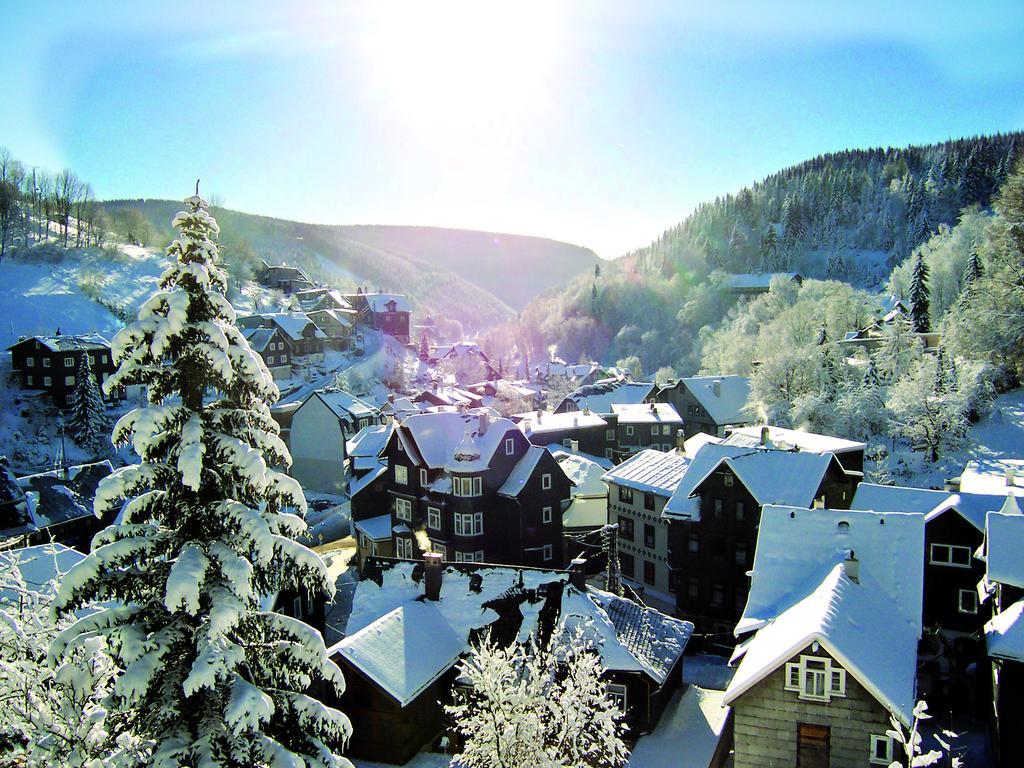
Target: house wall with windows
[51,364]
[810,712]
[643,536]
[951,573]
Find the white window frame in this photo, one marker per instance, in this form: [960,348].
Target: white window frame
[30,362]
[28,381]
[802,676]
[510,446]
[666,429]
[401,474]
[948,550]
[403,547]
[469,523]
[69,381]
[270,359]
[629,430]
[69,362]
[467,487]
[469,557]
[727,479]
[545,481]
[46,362]
[609,453]
[973,595]
[654,429]
[873,756]
[47,381]
[548,552]
[609,434]
[434,518]
[424,478]
[618,693]
[546,515]
[403,509]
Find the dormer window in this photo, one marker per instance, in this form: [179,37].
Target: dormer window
[401,474]
[815,678]
[510,446]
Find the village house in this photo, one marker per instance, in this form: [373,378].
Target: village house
[367,490]
[471,484]
[646,425]
[464,362]
[751,284]
[51,364]
[283,277]
[828,639]
[445,396]
[708,404]
[849,452]
[589,433]
[588,511]
[270,344]
[386,312]
[602,395]
[313,299]
[872,335]
[714,515]
[301,334]
[638,490]
[338,327]
[411,622]
[320,427]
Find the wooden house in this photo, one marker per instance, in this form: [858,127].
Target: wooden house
[602,395]
[828,639]
[386,312]
[271,345]
[338,326]
[320,427]
[283,277]
[751,284]
[590,434]
[51,364]
[588,511]
[708,404]
[300,333]
[714,515]
[849,452]
[645,425]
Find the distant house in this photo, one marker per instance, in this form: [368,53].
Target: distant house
[871,335]
[601,396]
[465,361]
[447,396]
[954,532]
[271,345]
[828,639]
[300,332]
[51,363]
[708,404]
[412,622]
[849,452]
[471,483]
[283,277]
[313,299]
[646,425]
[386,312]
[338,327]
[590,433]
[638,490]
[715,511]
[319,430]
[755,283]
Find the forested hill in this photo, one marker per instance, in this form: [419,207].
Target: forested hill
[477,278]
[850,216]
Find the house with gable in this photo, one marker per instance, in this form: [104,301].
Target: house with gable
[320,428]
[338,326]
[271,345]
[954,529]
[588,511]
[750,284]
[714,514]
[828,639]
[471,484]
[591,434]
[600,396]
[387,312]
[849,452]
[411,622]
[51,364]
[708,404]
[301,334]
[646,425]
[283,277]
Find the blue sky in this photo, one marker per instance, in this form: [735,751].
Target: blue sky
[598,123]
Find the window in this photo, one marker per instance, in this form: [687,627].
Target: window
[470,557]
[625,528]
[403,509]
[510,446]
[567,443]
[741,510]
[46,362]
[881,750]
[434,518]
[741,553]
[649,501]
[609,435]
[617,693]
[423,477]
[609,453]
[815,678]
[953,555]
[546,515]
[693,588]
[401,474]
[666,429]
[654,429]
[812,745]
[47,381]
[284,359]
[270,359]
[648,536]
[69,381]
[467,486]
[627,565]
[403,547]
[103,357]
[441,549]
[727,480]
[28,380]
[629,431]
[30,362]
[469,524]
[967,601]
[649,572]
[69,362]
[549,552]
[545,481]
[694,543]
[718,509]
[297,607]
[625,494]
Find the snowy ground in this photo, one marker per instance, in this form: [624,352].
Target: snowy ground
[687,734]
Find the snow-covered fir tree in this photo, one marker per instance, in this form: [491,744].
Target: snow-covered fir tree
[211,676]
[919,309]
[88,423]
[536,705]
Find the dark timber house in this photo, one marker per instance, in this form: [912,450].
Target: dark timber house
[708,404]
[51,364]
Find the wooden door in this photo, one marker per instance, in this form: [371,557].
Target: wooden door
[812,746]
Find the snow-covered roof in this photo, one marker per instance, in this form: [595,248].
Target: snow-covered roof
[258,338]
[993,476]
[357,484]
[58,496]
[584,473]
[378,302]
[698,441]
[436,437]
[887,545]
[341,316]
[405,650]
[1004,633]
[646,413]
[723,397]
[857,623]
[782,438]
[374,528]
[369,441]
[69,343]
[771,476]
[522,471]
[1004,543]
[343,405]
[39,565]
[650,471]
[536,423]
[292,324]
[586,512]
[931,503]
[757,281]
[600,397]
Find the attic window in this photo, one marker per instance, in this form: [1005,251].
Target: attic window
[727,479]
[815,679]
[881,750]
[510,446]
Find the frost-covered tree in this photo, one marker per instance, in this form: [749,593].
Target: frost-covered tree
[211,677]
[88,423]
[909,741]
[929,420]
[900,349]
[537,705]
[919,311]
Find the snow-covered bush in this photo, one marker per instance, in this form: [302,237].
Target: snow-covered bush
[207,539]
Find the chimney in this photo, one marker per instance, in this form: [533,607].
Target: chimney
[575,421]
[765,439]
[432,573]
[681,439]
[540,415]
[716,387]
[1011,477]
[574,446]
[391,397]
[483,422]
[851,565]
[578,573]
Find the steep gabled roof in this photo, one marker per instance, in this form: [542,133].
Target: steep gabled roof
[378,301]
[1004,545]
[1004,633]
[69,343]
[369,442]
[532,424]
[781,437]
[646,413]
[344,405]
[522,471]
[436,436]
[724,403]
[650,472]
[259,338]
[931,503]
[600,397]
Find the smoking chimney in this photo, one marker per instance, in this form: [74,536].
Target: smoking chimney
[578,573]
[716,387]
[432,575]
[1011,477]
[851,565]
[681,439]
[574,446]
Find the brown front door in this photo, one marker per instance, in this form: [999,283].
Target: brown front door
[811,746]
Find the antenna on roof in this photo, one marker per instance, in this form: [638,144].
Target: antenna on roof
[197,187]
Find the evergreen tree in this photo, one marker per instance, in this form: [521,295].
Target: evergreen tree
[769,249]
[836,266]
[871,377]
[597,270]
[209,677]
[922,227]
[593,300]
[941,382]
[88,414]
[973,270]
[919,311]
[424,348]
